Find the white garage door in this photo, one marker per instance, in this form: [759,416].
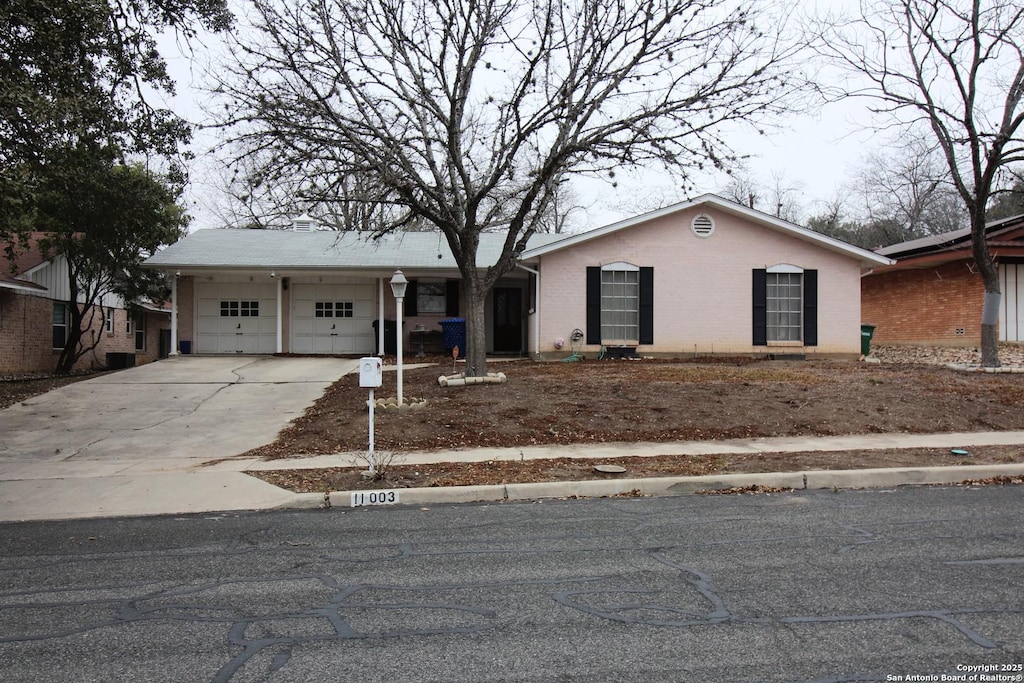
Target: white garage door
[333,318]
[236,318]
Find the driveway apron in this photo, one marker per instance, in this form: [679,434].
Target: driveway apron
[162,418]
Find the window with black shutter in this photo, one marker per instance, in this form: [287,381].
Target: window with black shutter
[620,305]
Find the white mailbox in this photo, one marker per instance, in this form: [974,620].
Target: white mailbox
[370,372]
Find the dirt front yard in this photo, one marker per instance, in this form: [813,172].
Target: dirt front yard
[649,400]
[602,401]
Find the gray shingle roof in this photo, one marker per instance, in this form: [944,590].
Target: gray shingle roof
[286,249]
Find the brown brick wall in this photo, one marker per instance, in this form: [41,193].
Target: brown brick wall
[120,340]
[25,333]
[26,336]
[935,306]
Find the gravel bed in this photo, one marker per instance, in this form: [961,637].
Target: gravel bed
[1009,354]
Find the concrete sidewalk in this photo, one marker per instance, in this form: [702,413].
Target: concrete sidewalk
[133,486]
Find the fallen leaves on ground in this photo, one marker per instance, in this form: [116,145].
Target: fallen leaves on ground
[577,469]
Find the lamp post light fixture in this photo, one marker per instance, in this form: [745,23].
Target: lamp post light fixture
[398,285]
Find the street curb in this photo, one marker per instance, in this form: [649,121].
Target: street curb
[669,486]
[304,501]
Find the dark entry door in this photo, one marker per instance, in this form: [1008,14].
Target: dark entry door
[508,320]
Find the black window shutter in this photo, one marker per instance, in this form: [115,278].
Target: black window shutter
[760,307]
[410,305]
[594,305]
[646,305]
[810,308]
[451,302]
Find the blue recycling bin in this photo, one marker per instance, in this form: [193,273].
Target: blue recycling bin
[453,333]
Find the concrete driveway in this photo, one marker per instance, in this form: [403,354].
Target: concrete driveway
[166,417]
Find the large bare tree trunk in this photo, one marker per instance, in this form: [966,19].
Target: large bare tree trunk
[993,295]
[990,336]
[476,328]
[990,315]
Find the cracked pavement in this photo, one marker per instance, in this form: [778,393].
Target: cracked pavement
[804,586]
[179,410]
[135,441]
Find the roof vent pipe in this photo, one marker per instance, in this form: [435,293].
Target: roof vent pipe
[303,224]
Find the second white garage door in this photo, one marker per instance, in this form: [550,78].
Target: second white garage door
[333,318]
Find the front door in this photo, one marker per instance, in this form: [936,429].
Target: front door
[508,320]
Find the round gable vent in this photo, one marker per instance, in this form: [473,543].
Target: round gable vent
[702,225]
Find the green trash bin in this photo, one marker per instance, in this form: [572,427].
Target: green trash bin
[866,333]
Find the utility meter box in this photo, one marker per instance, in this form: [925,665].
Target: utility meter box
[370,372]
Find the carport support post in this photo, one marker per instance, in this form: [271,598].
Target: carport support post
[280,307]
[174,315]
[380,319]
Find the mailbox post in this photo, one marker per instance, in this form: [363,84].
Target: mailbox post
[371,376]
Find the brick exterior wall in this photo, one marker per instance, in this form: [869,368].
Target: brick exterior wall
[122,339]
[26,336]
[934,306]
[25,333]
[703,300]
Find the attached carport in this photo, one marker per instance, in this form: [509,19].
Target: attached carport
[324,292]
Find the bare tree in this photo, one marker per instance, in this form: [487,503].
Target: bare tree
[1009,202]
[777,197]
[466,113]
[785,194]
[911,187]
[744,190]
[954,71]
[355,202]
[562,209]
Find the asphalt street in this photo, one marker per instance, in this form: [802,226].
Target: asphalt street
[881,585]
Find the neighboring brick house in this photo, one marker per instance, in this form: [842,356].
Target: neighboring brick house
[705,276]
[33,319]
[933,294]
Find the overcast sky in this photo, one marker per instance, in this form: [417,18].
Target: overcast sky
[816,152]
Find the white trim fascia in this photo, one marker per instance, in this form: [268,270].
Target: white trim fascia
[621,265]
[28,287]
[784,268]
[725,205]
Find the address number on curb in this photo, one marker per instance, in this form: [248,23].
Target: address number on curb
[360,498]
